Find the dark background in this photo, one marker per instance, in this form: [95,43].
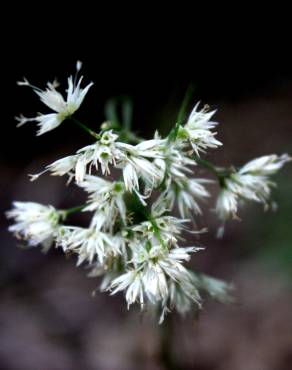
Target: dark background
[48,319]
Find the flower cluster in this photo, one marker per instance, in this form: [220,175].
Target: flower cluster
[35,223]
[250,182]
[139,217]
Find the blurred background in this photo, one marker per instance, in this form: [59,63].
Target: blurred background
[48,318]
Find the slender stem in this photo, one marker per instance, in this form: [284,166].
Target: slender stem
[66,212]
[181,115]
[184,105]
[145,212]
[84,127]
[221,173]
[157,231]
[207,164]
[167,356]
[129,137]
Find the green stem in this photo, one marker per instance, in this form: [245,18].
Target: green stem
[84,127]
[66,212]
[167,356]
[181,115]
[145,212]
[157,232]
[129,137]
[183,109]
[221,173]
[207,164]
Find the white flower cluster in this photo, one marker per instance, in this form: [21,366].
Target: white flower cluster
[133,241]
[35,223]
[250,182]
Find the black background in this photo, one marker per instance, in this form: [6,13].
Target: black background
[239,61]
[151,55]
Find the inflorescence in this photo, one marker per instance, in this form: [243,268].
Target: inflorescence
[135,234]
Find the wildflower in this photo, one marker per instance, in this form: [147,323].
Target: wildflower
[176,163]
[186,193]
[131,282]
[182,297]
[266,165]
[132,243]
[154,268]
[179,189]
[104,153]
[169,228]
[61,167]
[251,182]
[137,163]
[90,244]
[34,222]
[105,194]
[227,204]
[198,130]
[55,101]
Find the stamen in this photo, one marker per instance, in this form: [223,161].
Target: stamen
[21,119]
[78,67]
[33,177]
[25,82]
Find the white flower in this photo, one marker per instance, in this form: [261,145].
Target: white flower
[154,268]
[61,167]
[81,166]
[186,193]
[90,244]
[226,206]
[198,130]
[176,163]
[136,163]
[106,200]
[105,194]
[104,153]
[169,228]
[181,297]
[266,165]
[251,182]
[34,222]
[148,148]
[55,101]
[181,190]
[131,282]
[130,176]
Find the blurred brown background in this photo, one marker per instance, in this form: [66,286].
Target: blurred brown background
[48,319]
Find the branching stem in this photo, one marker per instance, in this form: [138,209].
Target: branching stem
[84,127]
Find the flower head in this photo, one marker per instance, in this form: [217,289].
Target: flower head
[90,244]
[34,222]
[105,197]
[139,162]
[198,130]
[103,153]
[155,269]
[54,100]
[250,182]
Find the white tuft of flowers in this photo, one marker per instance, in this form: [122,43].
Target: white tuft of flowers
[35,223]
[250,183]
[140,216]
